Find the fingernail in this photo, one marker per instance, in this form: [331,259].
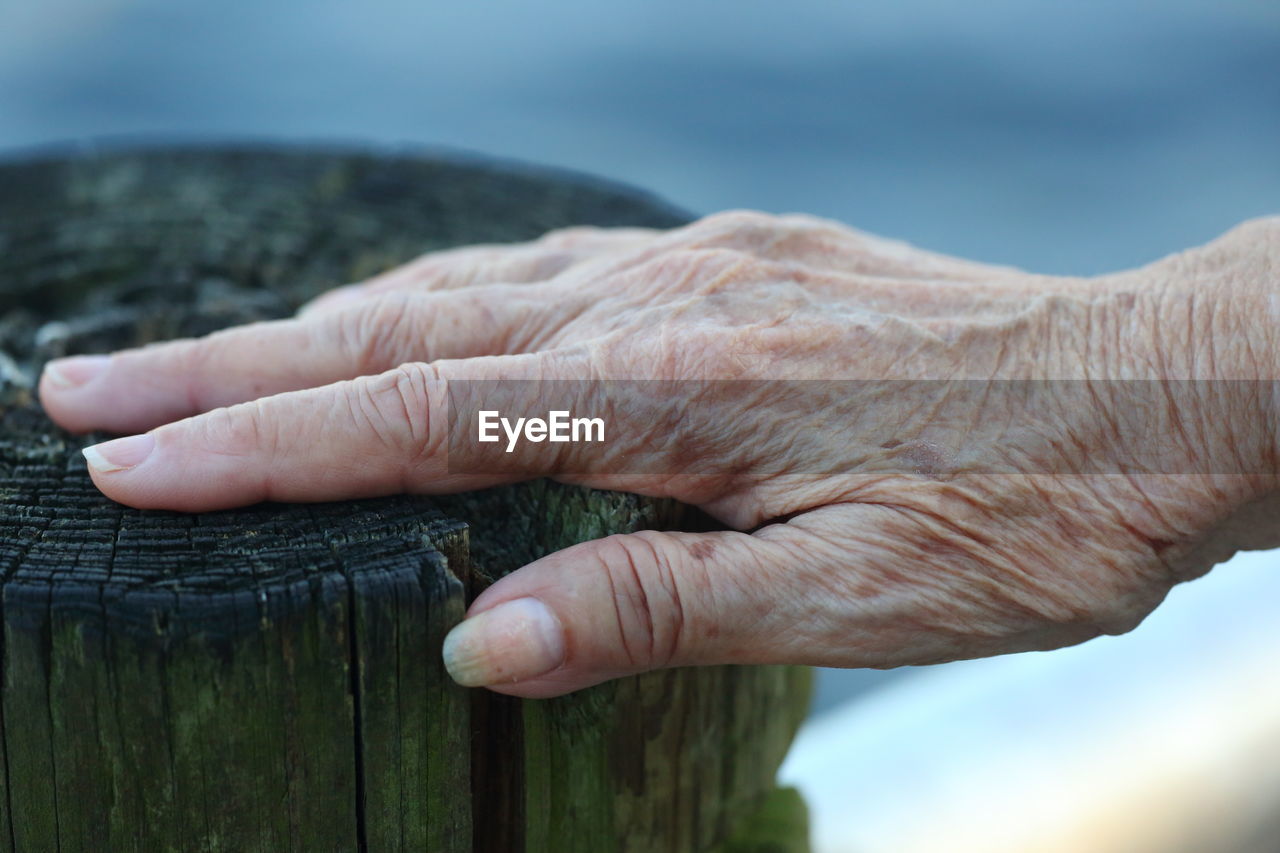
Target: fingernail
[517,640]
[67,373]
[119,454]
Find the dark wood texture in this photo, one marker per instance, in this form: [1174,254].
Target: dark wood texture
[270,678]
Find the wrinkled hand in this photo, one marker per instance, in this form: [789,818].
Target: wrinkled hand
[916,510]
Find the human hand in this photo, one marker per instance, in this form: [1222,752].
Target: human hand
[848,405]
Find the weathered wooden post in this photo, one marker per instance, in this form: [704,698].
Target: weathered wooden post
[270,678]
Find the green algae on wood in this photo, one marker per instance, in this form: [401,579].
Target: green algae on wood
[269,678]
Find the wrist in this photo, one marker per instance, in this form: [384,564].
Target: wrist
[1232,290]
[1220,317]
[1193,340]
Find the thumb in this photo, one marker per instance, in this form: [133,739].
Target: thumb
[617,606]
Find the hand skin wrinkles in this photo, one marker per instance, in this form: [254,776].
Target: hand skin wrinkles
[897,527]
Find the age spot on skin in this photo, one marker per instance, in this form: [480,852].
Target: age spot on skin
[702,550]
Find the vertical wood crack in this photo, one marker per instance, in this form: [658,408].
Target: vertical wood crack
[357,721]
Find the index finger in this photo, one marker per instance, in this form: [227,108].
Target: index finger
[376,435]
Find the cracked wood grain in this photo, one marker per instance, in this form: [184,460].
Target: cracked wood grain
[269,678]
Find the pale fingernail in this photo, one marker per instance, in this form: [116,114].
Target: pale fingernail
[119,454]
[67,373]
[517,640]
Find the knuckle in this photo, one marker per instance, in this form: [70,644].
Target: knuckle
[377,333]
[192,359]
[395,409]
[693,270]
[239,430]
[450,270]
[643,571]
[781,238]
[571,238]
[670,348]
[806,222]
[747,230]
[543,265]
[737,220]
[437,272]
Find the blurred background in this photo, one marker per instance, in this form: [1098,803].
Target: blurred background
[1065,138]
